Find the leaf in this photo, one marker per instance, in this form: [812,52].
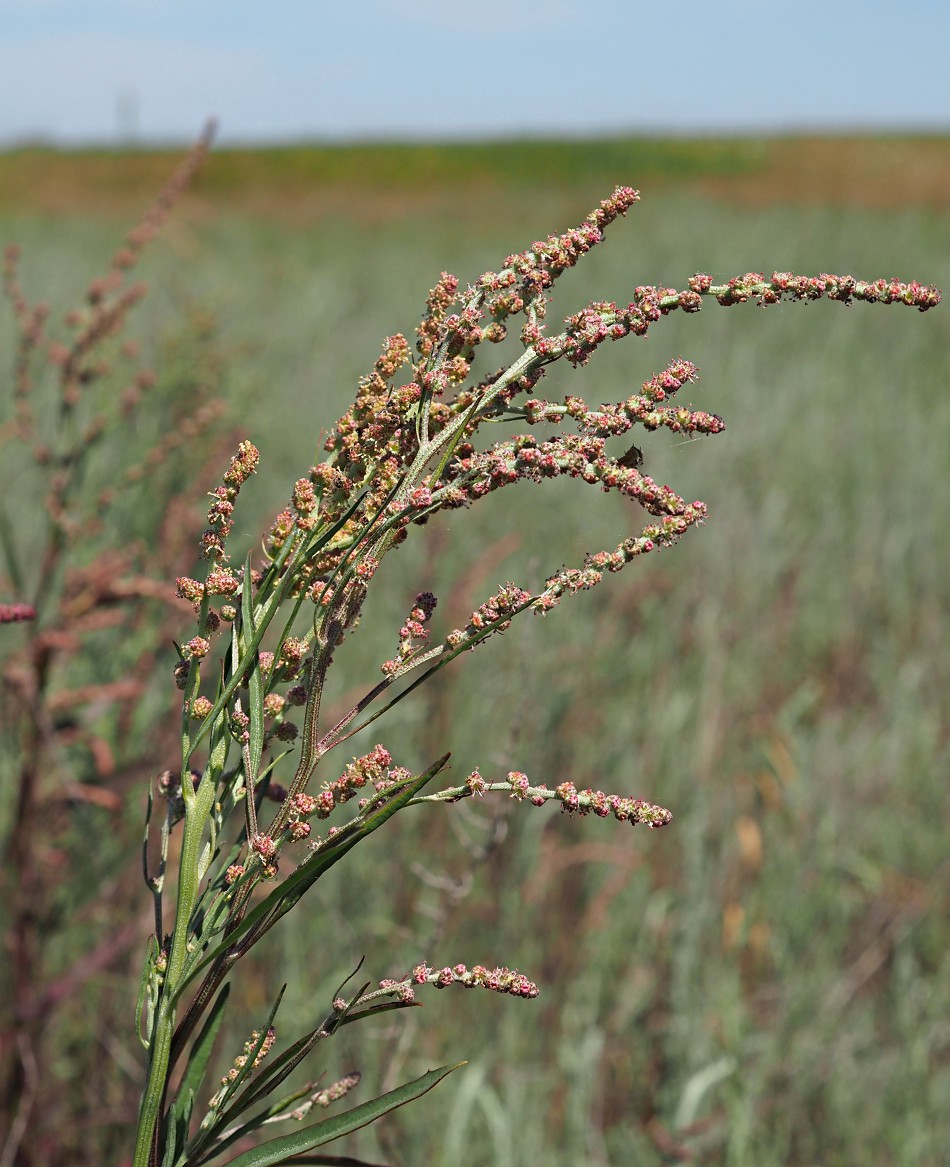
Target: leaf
[282,1149]
[8,546]
[255,686]
[198,1062]
[176,1132]
[373,1010]
[150,953]
[334,1161]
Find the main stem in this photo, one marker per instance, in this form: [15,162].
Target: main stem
[198,804]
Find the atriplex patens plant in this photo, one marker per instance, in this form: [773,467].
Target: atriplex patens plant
[404,451]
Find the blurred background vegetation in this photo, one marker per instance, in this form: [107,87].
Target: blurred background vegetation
[767,981]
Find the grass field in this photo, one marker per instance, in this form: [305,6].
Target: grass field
[767,981]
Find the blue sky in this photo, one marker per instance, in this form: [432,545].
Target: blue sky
[153,70]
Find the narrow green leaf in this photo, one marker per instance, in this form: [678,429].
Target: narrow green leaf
[255,686]
[149,807]
[143,990]
[200,1056]
[282,1149]
[374,1010]
[9,554]
[176,1133]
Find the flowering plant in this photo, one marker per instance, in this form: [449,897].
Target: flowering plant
[406,449]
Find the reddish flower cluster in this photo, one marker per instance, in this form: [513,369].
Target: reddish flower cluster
[332,1093]
[371,769]
[197,647]
[475,783]
[430,330]
[495,615]
[584,802]
[498,980]
[16,613]
[200,708]
[536,269]
[305,504]
[266,848]
[572,800]
[292,652]
[221,511]
[413,635]
[755,286]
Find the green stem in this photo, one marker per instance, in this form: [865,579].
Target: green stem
[197,812]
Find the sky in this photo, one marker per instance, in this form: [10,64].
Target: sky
[152,71]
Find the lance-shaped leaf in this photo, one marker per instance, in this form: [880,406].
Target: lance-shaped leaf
[179,1114]
[282,1149]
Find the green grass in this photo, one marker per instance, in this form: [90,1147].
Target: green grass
[767,980]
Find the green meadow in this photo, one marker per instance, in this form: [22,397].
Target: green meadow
[764,982]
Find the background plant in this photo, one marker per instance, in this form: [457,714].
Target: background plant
[773,438]
[98,444]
